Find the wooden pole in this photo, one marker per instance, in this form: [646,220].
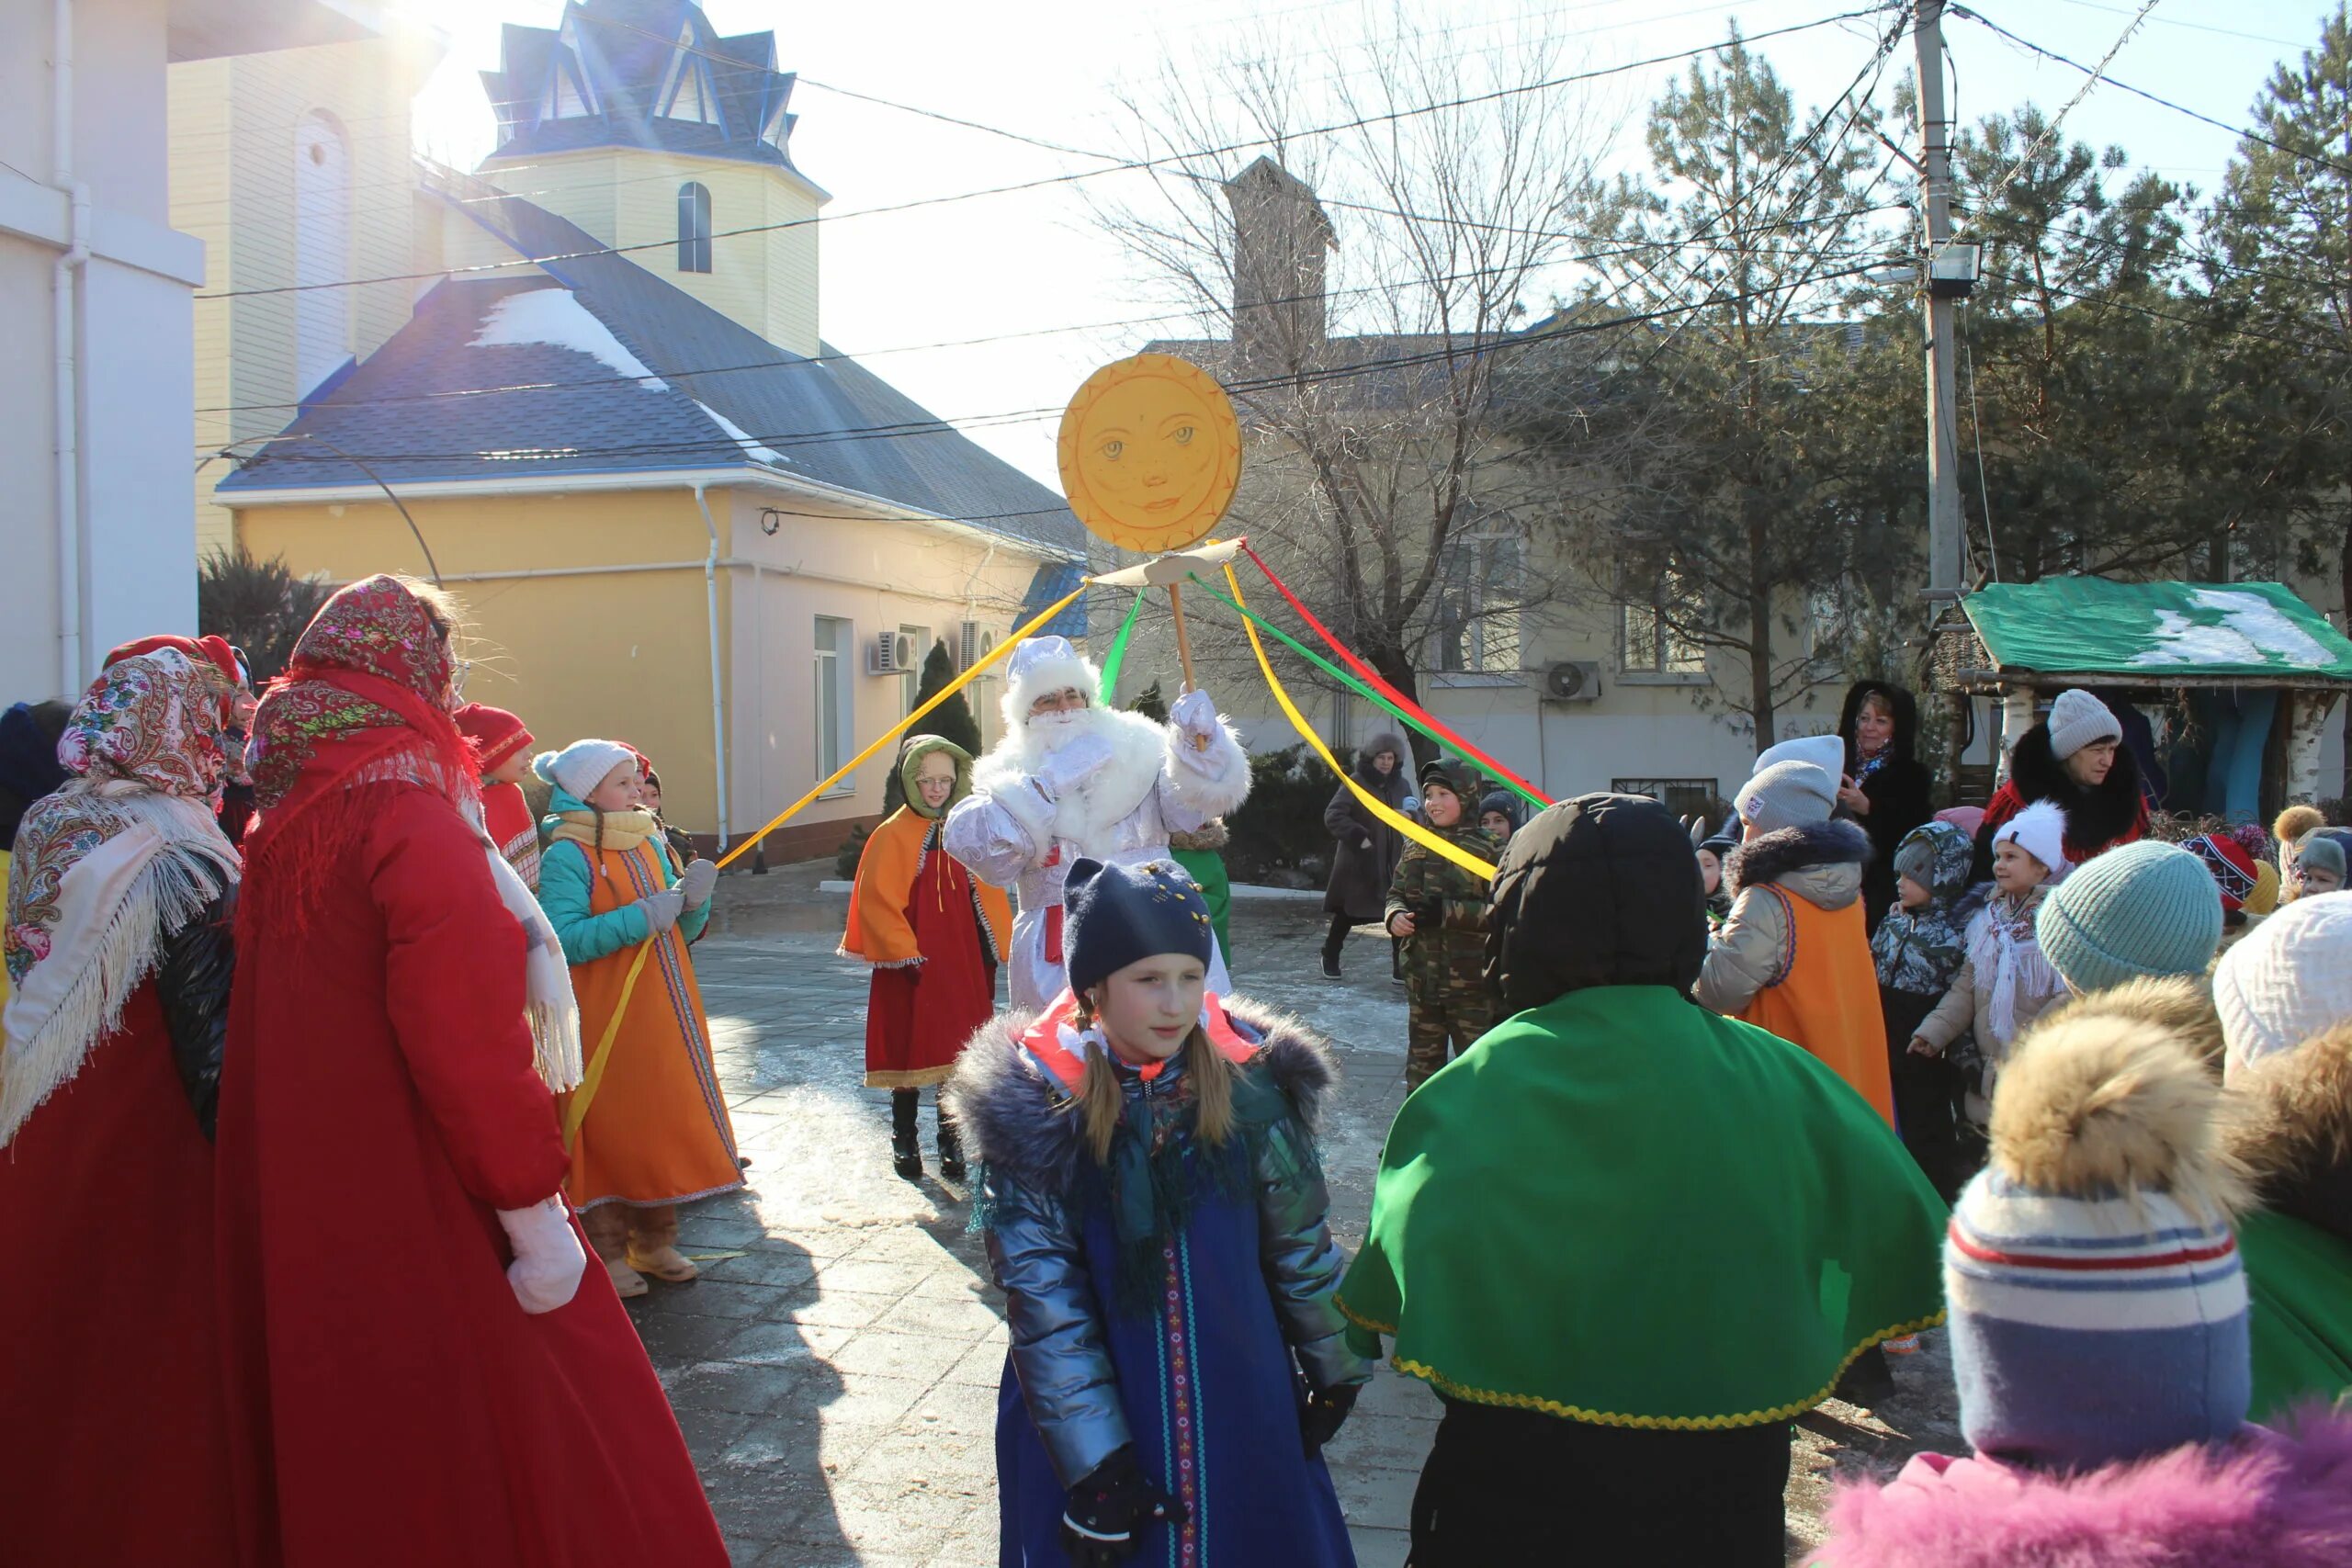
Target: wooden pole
[1183,639]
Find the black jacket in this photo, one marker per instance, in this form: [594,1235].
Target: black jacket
[2096,819]
[1898,791]
[193,967]
[1366,849]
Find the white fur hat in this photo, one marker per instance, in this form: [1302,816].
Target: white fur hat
[1826,752]
[1041,665]
[2041,832]
[2286,981]
[579,767]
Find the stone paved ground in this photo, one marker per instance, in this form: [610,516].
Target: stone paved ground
[836,1372]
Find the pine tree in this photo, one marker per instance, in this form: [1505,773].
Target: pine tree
[1151,704]
[950,720]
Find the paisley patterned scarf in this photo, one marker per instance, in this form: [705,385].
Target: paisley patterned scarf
[124,855]
[368,699]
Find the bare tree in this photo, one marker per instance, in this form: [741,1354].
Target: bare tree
[1358,249]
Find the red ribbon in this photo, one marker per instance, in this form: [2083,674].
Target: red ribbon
[1373,677]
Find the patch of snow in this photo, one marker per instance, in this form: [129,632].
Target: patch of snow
[556,318]
[741,438]
[2252,630]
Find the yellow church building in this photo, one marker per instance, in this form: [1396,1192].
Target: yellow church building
[604,416]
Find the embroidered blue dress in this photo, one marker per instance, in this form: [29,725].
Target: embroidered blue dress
[1189,1318]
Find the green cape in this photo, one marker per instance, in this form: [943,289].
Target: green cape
[1621,1208]
[2299,1280]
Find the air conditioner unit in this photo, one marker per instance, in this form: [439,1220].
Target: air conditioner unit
[1572,680]
[890,653]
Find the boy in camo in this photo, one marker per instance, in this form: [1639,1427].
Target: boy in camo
[1439,909]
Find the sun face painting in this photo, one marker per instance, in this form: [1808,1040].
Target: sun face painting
[1150,452]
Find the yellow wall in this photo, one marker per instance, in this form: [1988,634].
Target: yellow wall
[628,655]
[765,281]
[233,129]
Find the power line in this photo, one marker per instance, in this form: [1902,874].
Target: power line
[1359,122]
[2237,130]
[2034,148]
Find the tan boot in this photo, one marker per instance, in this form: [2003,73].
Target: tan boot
[607,1228]
[653,1245]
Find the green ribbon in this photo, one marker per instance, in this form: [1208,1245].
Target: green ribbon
[1351,682]
[1117,655]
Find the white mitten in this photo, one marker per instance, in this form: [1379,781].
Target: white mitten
[1076,762]
[701,876]
[1195,715]
[548,1255]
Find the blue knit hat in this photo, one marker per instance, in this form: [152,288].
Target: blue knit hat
[2098,1305]
[1116,915]
[2144,908]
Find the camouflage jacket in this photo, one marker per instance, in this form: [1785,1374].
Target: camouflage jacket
[1448,905]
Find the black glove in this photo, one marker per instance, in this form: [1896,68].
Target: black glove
[1106,1509]
[1325,1413]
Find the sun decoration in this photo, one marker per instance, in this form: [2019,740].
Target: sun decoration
[1150,452]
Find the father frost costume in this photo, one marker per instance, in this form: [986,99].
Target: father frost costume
[1089,781]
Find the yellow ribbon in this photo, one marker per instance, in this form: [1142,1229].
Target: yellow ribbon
[1377,806]
[1001,650]
[575,1105]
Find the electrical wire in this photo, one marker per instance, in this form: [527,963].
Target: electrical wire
[1134,165]
[2035,148]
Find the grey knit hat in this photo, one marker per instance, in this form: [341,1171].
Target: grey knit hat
[2076,719]
[2144,908]
[1787,795]
[2318,850]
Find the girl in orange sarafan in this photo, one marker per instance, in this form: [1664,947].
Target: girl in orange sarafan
[934,935]
[647,1127]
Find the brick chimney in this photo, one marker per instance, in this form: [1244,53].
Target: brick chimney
[1281,316]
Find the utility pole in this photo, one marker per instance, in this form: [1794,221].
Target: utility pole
[1943,446]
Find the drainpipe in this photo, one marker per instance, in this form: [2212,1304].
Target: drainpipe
[67,380]
[718,693]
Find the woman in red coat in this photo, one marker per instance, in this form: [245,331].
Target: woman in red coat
[421,1369]
[112,1451]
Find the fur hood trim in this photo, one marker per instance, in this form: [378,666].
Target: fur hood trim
[2268,1500]
[2293,1111]
[1019,1120]
[1778,853]
[1209,835]
[2096,1101]
[2095,817]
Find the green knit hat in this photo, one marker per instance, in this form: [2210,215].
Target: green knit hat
[2145,908]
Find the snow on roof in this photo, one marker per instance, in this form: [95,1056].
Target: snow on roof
[2251,630]
[551,316]
[741,438]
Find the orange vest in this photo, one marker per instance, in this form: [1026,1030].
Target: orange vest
[1827,1001]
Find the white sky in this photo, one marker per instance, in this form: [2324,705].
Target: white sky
[1036,264]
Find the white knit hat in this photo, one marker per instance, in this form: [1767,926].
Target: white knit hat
[2041,832]
[579,767]
[2076,719]
[1042,665]
[1826,752]
[2287,981]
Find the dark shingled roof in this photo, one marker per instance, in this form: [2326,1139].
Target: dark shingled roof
[568,412]
[623,52]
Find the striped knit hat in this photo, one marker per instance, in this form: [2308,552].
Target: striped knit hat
[2098,1308]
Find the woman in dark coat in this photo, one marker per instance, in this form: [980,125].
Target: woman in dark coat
[1888,786]
[2075,758]
[1368,848]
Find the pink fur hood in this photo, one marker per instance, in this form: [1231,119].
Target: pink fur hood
[2272,1499]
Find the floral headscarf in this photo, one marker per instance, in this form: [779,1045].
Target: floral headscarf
[147,745]
[370,688]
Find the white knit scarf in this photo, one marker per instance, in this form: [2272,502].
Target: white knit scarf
[2003,947]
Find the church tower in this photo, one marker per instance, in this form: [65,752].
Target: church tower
[636,121]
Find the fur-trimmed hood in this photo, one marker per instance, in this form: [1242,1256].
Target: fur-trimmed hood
[2266,1500]
[1821,862]
[2107,1097]
[1016,1117]
[2291,1125]
[2093,816]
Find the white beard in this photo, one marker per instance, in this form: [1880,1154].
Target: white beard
[1046,733]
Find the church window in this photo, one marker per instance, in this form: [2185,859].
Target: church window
[694,227]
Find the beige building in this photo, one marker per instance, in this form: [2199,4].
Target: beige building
[611,426]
